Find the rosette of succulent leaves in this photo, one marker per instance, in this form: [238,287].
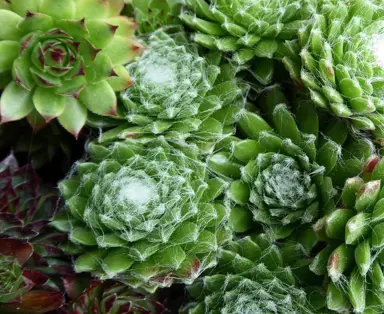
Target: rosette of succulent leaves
[250,30]
[282,169]
[109,297]
[251,277]
[31,264]
[352,258]
[339,57]
[190,99]
[64,59]
[146,214]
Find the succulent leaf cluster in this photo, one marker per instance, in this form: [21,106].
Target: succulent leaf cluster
[154,14]
[58,57]
[144,214]
[282,171]
[250,278]
[248,28]
[341,61]
[190,99]
[110,298]
[23,290]
[352,259]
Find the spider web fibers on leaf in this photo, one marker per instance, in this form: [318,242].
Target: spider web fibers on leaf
[250,278]
[177,93]
[144,214]
[340,63]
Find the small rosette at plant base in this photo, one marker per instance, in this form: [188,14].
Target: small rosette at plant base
[143,214]
[64,59]
[177,93]
[353,259]
[250,278]
[281,174]
[340,60]
[110,298]
[23,290]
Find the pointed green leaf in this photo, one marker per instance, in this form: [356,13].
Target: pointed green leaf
[63,9]
[9,30]
[91,9]
[74,116]
[47,103]
[122,50]
[99,98]
[15,103]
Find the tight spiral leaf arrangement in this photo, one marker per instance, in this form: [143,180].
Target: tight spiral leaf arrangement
[58,57]
[231,156]
[189,99]
[281,174]
[342,62]
[143,213]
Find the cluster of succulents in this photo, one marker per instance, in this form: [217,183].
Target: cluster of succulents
[191,156]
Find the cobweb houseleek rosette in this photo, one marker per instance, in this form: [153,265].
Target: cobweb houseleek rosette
[250,278]
[341,61]
[353,233]
[178,93]
[281,173]
[64,59]
[143,214]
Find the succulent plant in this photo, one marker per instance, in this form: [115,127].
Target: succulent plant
[24,209]
[342,61]
[250,278]
[281,173]
[352,259]
[110,298]
[189,99]
[23,290]
[143,214]
[64,59]
[249,29]
[154,14]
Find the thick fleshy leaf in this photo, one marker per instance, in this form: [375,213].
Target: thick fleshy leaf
[9,52]
[99,98]
[22,74]
[36,121]
[21,7]
[35,22]
[100,33]
[126,26]
[123,50]
[47,103]
[63,9]
[22,251]
[74,116]
[36,302]
[91,9]
[15,103]
[122,81]
[9,21]
[115,7]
